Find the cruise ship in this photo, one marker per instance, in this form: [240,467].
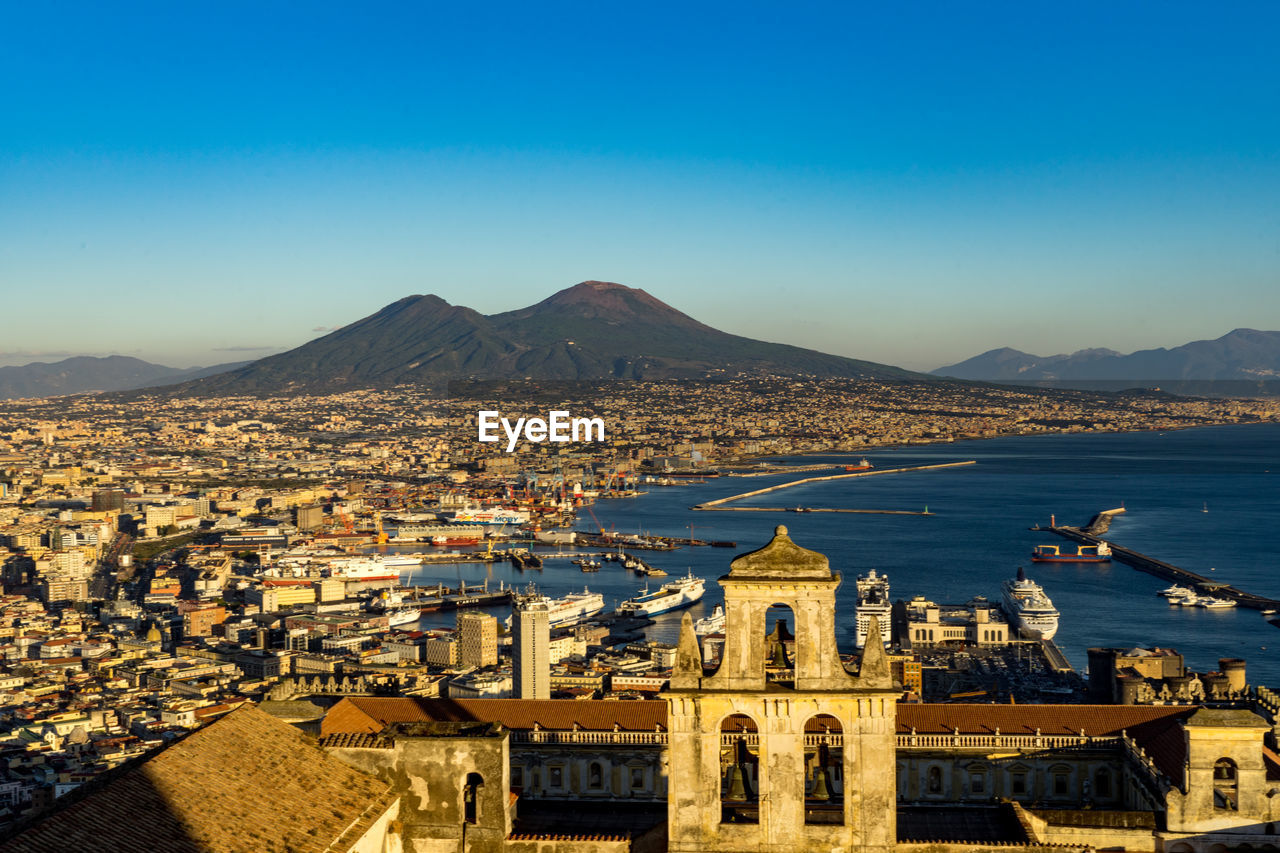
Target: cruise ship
[573,608]
[672,595]
[873,600]
[1029,608]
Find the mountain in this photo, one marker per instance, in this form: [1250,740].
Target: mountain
[1242,355]
[593,330]
[87,373]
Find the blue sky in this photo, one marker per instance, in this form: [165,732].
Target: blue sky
[196,183]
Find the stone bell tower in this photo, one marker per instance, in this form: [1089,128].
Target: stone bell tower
[777,752]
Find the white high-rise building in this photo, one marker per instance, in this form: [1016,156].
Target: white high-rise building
[531,636]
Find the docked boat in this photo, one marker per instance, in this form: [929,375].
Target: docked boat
[873,600]
[402,616]
[1210,602]
[713,624]
[573,608]
[672,595]
[372,568]
[1179,594]
[1100,553]
[494,515]
[1027,607]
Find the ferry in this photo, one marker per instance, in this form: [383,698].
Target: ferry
[573,608]
[498,515]
[713,624]
[372,568]
[1029,608]
[1100,553]
[672,595]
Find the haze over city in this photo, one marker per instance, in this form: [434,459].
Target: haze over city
[204,187]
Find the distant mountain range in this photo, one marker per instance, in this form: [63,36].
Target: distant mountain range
[1241,358]
[87,373]
[593,330]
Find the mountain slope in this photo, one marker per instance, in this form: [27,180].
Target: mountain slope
[80,374]
[593,330]
[1242,354]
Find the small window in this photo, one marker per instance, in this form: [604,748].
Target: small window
[595,776]
[555,777]
[978,783]
[637,778]
[1019,783]
[1060,784]
[517,777]
[935,780]
[1102,783]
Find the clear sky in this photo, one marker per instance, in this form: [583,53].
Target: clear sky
[201,182]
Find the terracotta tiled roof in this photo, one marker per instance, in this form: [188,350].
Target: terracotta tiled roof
[1095,720]
[356,741]
[245,782]
[370,714]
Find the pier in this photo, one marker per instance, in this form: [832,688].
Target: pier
[719,503]
[1159,568]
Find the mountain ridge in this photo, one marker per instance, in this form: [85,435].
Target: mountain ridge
[1239,355]
[592,330]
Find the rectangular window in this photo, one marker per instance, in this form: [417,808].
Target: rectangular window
[1060,784]
[517,777]
[977,783]
[637,778]
[555,777]
[1019,783]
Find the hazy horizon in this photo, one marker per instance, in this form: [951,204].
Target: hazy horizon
[194,187]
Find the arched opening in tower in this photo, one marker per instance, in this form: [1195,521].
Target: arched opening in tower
[739,770]
[823,770]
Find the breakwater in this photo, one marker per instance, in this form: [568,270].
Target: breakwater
[1160,568]
[720,502]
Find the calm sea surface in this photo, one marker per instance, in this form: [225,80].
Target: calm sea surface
[978,534]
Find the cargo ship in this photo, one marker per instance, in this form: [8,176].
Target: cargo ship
[863,465]
[672,595]
[1100,553]
[570,610]
[1027,607]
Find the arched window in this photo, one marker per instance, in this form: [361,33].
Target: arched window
[471,798]
[739,770]
[823,765]
[595,776]
[934,784]
[1102,783]
[1226,787]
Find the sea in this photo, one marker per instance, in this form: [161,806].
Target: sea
[1206,499]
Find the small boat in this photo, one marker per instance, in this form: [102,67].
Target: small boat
[1210,603]
[1176,591]
[1100,553]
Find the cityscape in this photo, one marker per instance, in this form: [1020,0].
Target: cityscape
[567,429]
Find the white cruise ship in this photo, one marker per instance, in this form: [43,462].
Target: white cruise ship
[1029,608]
[573,608]
[670,596]
[873,600]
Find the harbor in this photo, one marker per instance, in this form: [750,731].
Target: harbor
[720,503]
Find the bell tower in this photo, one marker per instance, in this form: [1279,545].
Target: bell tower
[776,754]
